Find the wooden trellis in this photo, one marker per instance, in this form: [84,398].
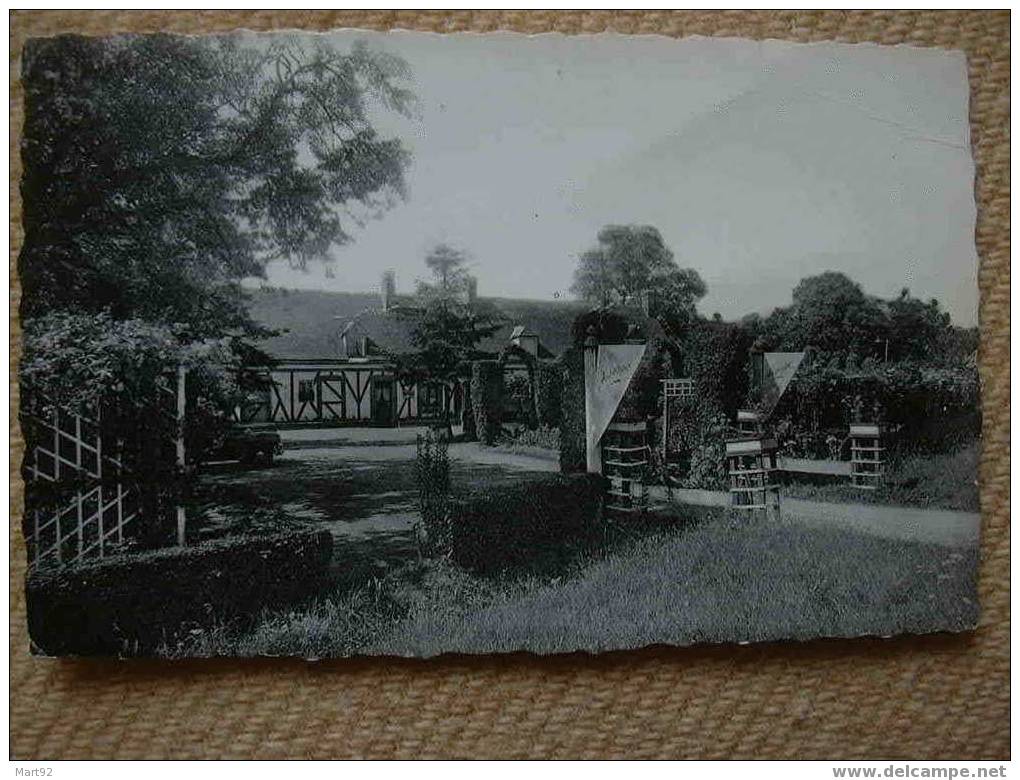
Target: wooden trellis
[625,456]
[678,388]
[82,498]
[751,464]
[673,389]
[85,519]
[749,422]
[867,455]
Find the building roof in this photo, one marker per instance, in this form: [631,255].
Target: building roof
[314,319]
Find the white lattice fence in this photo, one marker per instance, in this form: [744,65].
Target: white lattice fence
[79,485]
[81,496]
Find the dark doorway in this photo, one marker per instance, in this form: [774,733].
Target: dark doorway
[384,402]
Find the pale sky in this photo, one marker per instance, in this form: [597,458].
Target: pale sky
[760,163]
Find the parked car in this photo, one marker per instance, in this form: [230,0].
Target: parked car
[249,444]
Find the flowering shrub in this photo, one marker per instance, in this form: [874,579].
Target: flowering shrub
[517,389]
[79,361]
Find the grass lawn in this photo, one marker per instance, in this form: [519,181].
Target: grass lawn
[946,481]
[710,578]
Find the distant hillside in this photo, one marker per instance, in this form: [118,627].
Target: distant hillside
[313,319]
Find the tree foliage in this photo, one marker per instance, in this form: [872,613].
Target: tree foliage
[161,170]
[932,407]
[446,329]
[81,362]
[450,281]
[488,397]
[631,262]
[832,314]
[917,329]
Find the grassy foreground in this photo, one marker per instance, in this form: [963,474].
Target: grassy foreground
[946,481]
[716,580]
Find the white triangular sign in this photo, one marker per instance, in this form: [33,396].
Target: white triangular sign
[780,369]
[605,384]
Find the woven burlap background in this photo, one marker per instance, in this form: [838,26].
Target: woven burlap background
[913,697]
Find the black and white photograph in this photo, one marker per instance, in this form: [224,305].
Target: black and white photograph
[407,344]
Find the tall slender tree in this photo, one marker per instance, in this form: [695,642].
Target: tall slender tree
[447,326]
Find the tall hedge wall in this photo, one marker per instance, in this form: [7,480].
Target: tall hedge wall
[528,525]
[131,604]
[549,393]
[935,408]
[715,355]
[487,399]
[467,417]
[573,450]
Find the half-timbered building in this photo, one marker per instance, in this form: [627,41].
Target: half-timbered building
[335,351]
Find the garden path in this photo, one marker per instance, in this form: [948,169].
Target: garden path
[938,526]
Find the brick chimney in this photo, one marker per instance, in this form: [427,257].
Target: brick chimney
[388,289]
[472,291]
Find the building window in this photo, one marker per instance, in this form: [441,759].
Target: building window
[306,391]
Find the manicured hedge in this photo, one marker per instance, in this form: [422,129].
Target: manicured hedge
[549,393]
[573,449]
[487,399]
[131,604]
[536,523]
[715,356]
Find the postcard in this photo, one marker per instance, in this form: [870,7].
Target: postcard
[405,344]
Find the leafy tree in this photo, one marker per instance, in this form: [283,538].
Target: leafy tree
[446,328]
[831,313]
[628,260]
[674,299]
[918,330]
[450,278]
[161,170]
[632,261]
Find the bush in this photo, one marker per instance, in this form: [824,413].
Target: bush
[133,604]
[527,525]
[549,393]
[935,408]
[541,438]
[432,472]
[609,326]
[487,399]
[520,403]
[573,446]
[697,440]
